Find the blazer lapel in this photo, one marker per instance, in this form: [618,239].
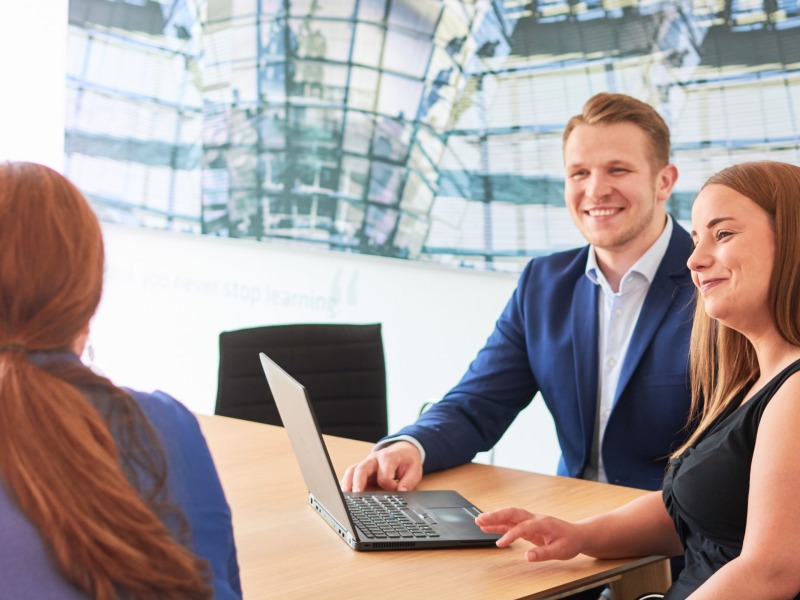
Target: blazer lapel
[659,299]
[585,343]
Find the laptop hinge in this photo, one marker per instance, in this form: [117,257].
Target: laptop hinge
[342,531]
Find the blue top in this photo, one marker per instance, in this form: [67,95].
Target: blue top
[27,567]
[546,340]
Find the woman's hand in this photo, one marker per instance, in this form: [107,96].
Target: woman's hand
[552,539]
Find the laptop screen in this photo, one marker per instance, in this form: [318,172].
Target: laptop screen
[304,434]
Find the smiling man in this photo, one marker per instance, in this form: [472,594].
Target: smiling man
[601,331]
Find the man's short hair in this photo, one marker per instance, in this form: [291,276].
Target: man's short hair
[607,109]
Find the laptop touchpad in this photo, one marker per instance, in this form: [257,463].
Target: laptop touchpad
[451,515]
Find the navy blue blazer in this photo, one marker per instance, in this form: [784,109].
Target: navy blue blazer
[546,340]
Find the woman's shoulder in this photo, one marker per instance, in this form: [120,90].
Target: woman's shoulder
[194,486]
[163,410]
[174,424]
[780,395]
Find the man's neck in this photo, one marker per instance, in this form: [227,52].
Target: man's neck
[616,262]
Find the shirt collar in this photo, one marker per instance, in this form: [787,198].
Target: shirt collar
[647,265]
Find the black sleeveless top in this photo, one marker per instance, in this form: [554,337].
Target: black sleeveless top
[706,488]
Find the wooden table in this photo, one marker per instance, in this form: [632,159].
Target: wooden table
[287,551]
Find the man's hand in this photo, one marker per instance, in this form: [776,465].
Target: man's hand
[396,467]
[552,539]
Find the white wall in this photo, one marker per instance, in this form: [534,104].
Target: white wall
[33,38]
[167,296]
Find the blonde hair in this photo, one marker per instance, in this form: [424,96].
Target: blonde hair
[722,360]
[76,452]
[608,109]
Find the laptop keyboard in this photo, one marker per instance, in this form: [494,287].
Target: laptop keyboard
[387,517]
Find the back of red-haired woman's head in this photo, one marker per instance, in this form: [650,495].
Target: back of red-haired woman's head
[59,457]
[51,258]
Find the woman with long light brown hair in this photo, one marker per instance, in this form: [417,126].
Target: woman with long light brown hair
[104,492]
[729,499]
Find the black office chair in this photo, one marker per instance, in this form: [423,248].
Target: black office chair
[341,365]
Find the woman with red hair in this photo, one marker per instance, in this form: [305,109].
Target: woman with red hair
[104,492]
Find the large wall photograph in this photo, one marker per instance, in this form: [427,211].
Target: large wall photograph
[427,130]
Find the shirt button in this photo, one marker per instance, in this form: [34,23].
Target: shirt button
[611,362]
[618,312]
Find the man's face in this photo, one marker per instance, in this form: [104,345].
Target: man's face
[614,193]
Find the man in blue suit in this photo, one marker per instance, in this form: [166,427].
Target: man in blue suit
[601,331]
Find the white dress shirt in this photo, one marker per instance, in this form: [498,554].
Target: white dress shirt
[618,313]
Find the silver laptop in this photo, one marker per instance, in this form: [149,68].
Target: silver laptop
[369,520]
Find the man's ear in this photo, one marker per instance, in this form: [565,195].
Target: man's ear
[666,179]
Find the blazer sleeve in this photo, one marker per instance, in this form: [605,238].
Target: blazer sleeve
[498,384]
[193,484]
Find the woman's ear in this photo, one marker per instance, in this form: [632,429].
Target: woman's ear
[79,343]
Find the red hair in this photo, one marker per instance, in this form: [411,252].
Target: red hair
[72,445]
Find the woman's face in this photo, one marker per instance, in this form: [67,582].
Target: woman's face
[733,258]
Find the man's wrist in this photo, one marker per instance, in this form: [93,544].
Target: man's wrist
[402,438]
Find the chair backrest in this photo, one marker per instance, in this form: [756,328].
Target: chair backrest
[341,365]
